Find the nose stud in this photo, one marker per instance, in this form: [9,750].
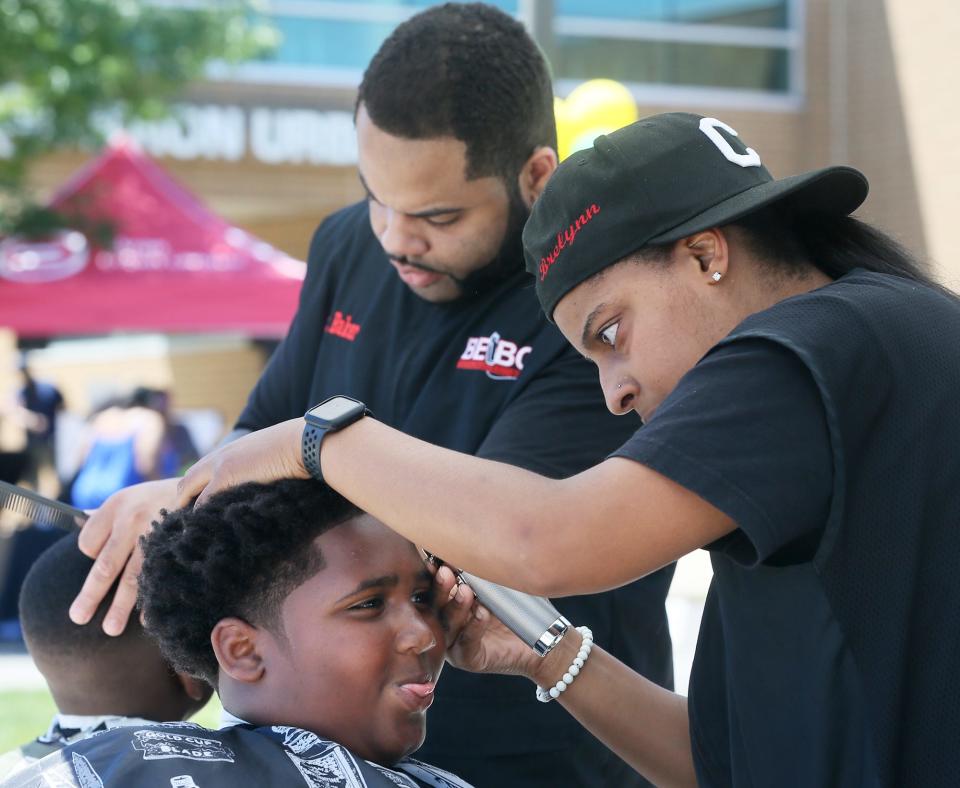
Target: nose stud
[619,386]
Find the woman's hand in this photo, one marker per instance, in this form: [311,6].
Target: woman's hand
[476,640]
[263,456]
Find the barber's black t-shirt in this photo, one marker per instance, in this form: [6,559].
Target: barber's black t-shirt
[828,428]
[490,376]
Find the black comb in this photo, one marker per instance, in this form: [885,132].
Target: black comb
[38,509]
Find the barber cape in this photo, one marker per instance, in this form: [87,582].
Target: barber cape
[64,729]
[186,755]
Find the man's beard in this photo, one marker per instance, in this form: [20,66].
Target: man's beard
[506,262]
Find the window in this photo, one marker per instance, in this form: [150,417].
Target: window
[746,46]
[674,51]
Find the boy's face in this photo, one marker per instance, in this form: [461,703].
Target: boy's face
[364,645]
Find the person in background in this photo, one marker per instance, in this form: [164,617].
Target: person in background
[123,447]
[39,402]
[97,682]
[416,302]
[177,451]
[34,411]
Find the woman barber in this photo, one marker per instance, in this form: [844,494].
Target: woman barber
[797,375]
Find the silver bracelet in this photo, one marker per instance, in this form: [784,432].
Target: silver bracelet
[545,696]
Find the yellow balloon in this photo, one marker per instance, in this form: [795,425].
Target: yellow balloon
[595,107]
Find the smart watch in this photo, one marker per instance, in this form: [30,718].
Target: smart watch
[330,415]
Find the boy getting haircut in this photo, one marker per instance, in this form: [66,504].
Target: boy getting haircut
[239,556]
[316,624]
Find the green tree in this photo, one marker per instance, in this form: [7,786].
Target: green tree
[65,64]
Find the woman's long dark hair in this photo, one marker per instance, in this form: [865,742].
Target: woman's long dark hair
[838,244]
[834,244]
[788,243]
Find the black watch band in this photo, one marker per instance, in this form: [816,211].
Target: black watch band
[328,416]
[310,449]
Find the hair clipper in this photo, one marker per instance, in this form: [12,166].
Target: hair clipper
[533,619]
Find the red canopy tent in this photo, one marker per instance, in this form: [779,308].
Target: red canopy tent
[174,265]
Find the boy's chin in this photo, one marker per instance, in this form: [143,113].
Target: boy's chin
[406,742]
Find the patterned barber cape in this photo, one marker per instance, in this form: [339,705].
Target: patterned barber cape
[185,755]
[65,729]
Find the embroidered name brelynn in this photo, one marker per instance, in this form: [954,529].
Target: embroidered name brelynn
[342,327]
[566,238]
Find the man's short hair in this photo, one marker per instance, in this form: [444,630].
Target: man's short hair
[238,555]
[465,70]
[48,590]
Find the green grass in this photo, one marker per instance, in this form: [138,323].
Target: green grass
[24,715]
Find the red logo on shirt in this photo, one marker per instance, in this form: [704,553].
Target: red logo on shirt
[566,238]
[342,327]
[500,358]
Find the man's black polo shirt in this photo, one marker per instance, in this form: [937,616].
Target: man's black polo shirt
[490,376]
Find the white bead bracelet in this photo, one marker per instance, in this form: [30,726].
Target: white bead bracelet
[545,696]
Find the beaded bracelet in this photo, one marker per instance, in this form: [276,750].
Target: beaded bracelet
[545,696]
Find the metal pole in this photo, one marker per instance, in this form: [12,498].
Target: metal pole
[839,82]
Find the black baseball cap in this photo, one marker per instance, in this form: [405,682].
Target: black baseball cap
[654,182]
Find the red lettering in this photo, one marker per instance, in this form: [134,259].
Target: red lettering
[566,238]
[343,327]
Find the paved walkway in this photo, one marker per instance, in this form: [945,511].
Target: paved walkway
[17,672]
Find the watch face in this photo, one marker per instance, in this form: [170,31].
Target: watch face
[336,410]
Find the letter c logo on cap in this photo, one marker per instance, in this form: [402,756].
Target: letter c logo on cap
[709,127]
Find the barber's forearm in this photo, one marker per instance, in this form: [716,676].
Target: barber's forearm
[646,725]
[471,512]
[598,530]
[231,436]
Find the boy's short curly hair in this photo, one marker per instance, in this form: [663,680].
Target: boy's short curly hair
[466,70]
[240,554]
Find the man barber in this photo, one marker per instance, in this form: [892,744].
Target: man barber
[457,138]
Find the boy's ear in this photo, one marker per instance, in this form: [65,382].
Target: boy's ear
[194,688]
[235,644]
